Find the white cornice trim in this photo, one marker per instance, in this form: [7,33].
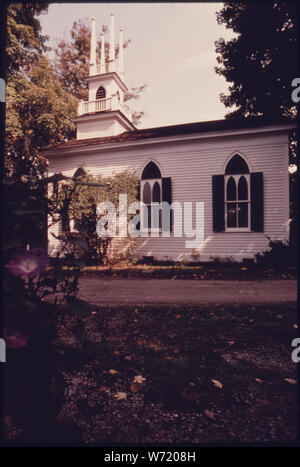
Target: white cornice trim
[167,139]
[106,115]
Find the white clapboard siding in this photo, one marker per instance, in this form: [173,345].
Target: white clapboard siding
[191,163]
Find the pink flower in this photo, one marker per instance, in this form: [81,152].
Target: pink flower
[28,263]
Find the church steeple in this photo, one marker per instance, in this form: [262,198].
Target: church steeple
[104,114]
[112,51]
[121,55]
[93,48]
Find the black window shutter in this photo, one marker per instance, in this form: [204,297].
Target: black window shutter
[167,196]
[218,203]
[138,197]
[257,201]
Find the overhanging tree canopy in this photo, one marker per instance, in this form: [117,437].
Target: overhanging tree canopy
[261,61]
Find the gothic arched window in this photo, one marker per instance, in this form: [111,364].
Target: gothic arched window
[238,198]
[101,93]
[237,191]
[151,171]
[151,197]
[237,165]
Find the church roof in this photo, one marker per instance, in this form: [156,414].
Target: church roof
[173,130]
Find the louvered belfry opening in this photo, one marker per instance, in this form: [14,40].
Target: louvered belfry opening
[101,93]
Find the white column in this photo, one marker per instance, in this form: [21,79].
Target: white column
[121,55]
[102,58]
[93,48]
[80,108]
[111,63]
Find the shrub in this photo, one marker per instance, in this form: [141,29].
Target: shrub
[278,254]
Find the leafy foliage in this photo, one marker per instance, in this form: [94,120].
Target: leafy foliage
[39,113]
[25,42]
[278,254]
[75,201]
[261,61]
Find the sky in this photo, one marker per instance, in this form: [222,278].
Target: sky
[172,50]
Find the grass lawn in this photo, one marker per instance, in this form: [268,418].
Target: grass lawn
[204,271]
[177,374]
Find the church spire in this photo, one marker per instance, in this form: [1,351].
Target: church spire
[93,49]
[104,113]
[102,56]
[111,63]
[121,55]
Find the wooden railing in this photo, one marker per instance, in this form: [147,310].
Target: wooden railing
[95,106]
[100,105]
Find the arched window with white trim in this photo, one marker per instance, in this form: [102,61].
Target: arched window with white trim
[237,194]
[151,197]
[238,198]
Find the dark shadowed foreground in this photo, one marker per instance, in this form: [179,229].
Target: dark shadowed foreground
[177,374]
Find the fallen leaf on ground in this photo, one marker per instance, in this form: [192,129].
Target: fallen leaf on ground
[290,380]
[139,379]
[120,396]
[209,414]
[217,383]
[135,387]
[113,372]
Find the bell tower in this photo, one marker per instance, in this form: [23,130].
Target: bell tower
[104,114]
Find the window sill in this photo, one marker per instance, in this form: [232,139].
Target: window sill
[244,229]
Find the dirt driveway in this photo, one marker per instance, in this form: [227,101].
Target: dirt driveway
[190,292]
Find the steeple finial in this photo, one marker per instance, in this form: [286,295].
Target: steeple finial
[102,57]
[111,63]
[121,55]
[93,48]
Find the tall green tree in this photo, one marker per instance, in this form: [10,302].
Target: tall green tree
[25,41]
[38,110]
[38,113]
[72,63]
[261,61]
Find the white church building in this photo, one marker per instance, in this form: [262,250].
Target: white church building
[237,171]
